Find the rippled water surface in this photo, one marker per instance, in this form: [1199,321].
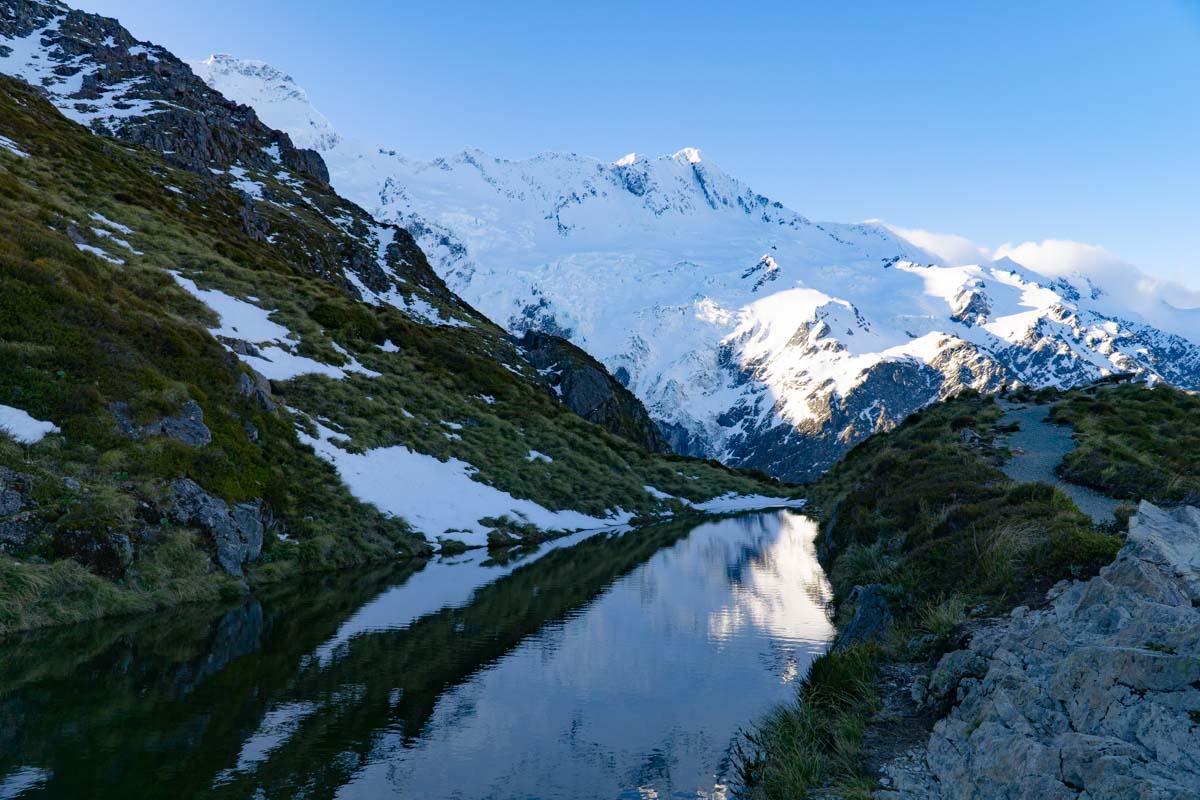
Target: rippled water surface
[604,666]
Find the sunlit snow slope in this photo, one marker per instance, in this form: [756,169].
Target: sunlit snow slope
[752,334]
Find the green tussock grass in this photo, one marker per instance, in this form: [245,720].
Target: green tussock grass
[946,532]
[1135,442]
[814,740]
[79,334]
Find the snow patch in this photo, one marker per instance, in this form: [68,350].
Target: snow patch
[96,251]
[440,498]
[733,501]
[242,320]
[22,427]
[10,146]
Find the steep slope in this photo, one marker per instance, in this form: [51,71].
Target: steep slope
[214,371]
[751,333]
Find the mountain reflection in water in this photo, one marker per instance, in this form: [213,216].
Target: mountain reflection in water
[606,665]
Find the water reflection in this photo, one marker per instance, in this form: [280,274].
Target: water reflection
[616,665]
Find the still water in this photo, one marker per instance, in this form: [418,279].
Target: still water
[616,665]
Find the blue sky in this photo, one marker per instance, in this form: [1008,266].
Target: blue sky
[1001,122]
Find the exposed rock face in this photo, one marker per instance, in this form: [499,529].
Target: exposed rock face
[872,617]
[187,426]
[99,75]
[1096,696]
[255,387]
[236,534]
[15,529]
[586,388]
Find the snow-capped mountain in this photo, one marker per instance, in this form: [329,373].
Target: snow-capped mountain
[752,334]
[285,106]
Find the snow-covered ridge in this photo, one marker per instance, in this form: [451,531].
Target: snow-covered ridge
[279,102]
[752,333]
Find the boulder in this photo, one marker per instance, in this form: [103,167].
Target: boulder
[187,426]
[872,617]
[236,535]
[15,534]
[104,550]
[255,387]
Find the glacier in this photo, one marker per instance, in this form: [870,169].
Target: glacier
[753,334]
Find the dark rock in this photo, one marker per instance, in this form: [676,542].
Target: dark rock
[122,414]
[585,387]
[248,518]
[101,548]
[500,540]
[236,536]
[16,481]
[872,617]
[240,346]
[306,162]
[187,426]
[15,534]
[256,388]
[950,672]
[10,502]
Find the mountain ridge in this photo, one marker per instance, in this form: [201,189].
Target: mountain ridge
[219,371]
[753,334]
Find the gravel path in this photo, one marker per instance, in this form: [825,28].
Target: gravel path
[1038,447]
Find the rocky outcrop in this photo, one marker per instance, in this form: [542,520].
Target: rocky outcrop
[236,533]
[872,617]
[16,528]
[187,426]
[99,75]
[1095,696]
[586,387]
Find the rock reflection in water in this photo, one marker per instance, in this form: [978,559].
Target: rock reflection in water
[615,665]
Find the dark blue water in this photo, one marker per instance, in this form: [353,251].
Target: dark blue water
[617,665]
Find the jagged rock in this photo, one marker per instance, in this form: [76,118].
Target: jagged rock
[15,532]
[1095,696]
[953,668]
[255,387]
[307,162]
[248,518]
[96,71]
[872,616]
[187,426]
[585,387]
[237,535]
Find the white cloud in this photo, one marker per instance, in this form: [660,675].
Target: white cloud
[1056,258]
[1164,303]
[953,250]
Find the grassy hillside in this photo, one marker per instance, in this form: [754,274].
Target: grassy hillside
[102,348]
[1135,443]
[925,512]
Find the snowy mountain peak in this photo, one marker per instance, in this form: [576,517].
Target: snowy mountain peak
[279,101]
[752,334]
